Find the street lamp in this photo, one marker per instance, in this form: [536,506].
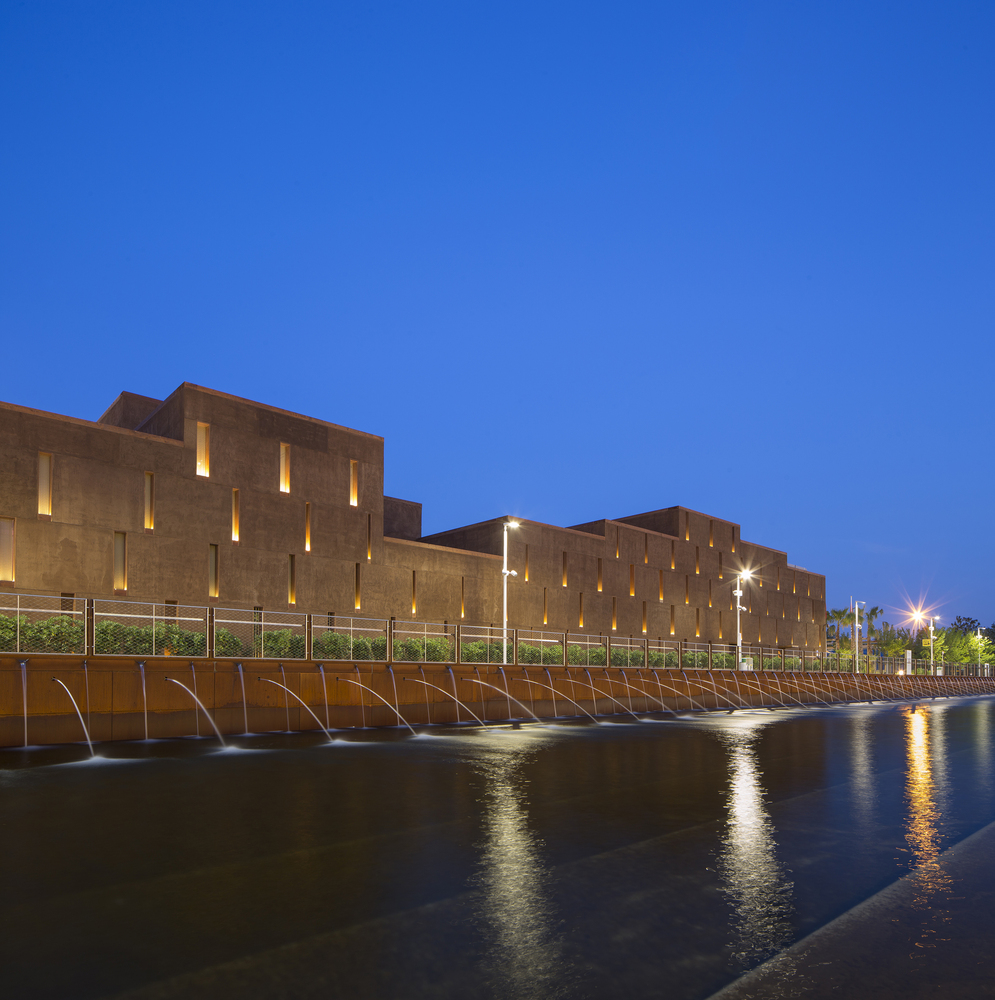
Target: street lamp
[932,668]
[856,635]
[979,652]
[505,573]
[738,593]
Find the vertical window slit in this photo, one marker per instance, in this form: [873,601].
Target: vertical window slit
[234,516]
[7,549]
[284,468]
[353,483]
[212,571]
[120,561]
[203,449]
[307,527]
[44,484]
[149,501]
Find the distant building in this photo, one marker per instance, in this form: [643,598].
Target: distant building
[205,498]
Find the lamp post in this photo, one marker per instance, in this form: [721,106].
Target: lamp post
[932,668]
[738,593]
[979,652]
[856,635]
[505,573]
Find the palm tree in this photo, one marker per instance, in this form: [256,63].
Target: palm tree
[839,617]
[870,614]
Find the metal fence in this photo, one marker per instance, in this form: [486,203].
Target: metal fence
[34,624]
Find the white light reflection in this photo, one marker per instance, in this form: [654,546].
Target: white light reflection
[755,883]
[861,762]
[983,744]
[524,957]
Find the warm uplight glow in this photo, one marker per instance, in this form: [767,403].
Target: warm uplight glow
[512,524]
[203,449]
[284,468]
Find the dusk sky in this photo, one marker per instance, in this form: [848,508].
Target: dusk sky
[572,260]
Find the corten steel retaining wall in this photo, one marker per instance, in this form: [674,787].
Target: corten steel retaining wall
[109,694]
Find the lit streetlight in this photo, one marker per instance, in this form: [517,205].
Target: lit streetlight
[738,593]
[856,635]
[505,573]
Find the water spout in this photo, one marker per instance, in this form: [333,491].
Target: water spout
[448,695]
[301,700]
[393,680]
[145,700]
[196,717]
[393,708]
[453,676]
[608,696]
[172,680]
[324,688]
[286,702]
[505,676]
[362,704]
[428,707]
[24,695]
[86,732]
[528,680]
[509,697]
[245,708]
[86,681]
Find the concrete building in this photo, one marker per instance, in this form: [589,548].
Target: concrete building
[205,498]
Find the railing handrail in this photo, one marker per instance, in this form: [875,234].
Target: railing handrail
[306,623]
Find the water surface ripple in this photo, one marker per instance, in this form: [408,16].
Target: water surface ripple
[757,854]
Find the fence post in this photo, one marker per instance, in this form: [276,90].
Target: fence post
[89,638]
[459,644]
[709,656]
[210,633]
[390,640]
[308,637]
[514,647]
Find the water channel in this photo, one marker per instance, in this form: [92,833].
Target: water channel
[841,851]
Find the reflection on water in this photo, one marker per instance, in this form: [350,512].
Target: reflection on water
[862,771]
[923,820]
[983,745]
[754,881]
[515,911]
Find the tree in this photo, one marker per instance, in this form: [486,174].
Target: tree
[839,617]
[869,617]
[894,641]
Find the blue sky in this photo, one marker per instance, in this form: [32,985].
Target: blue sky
[572,260]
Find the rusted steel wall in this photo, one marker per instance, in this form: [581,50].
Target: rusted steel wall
[111,697]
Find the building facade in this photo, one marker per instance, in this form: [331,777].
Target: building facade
[205,498]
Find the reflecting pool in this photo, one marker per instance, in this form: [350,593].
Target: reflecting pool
[754,854]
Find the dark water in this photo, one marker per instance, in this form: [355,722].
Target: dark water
[662,859]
